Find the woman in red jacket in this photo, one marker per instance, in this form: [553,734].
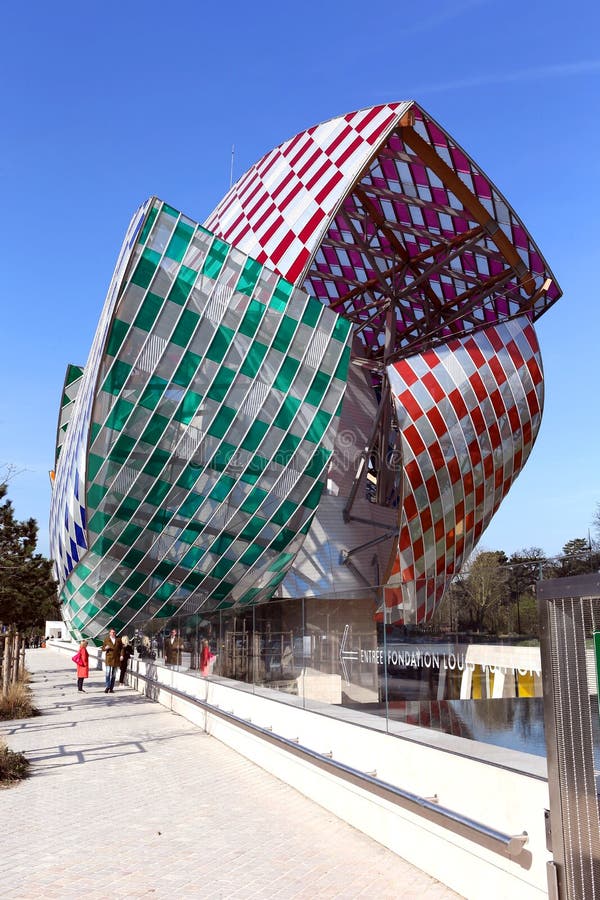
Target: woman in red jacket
[83,665]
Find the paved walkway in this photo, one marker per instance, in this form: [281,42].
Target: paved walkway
[127,799]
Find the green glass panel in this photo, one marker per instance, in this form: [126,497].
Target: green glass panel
[250,555]
[281,295]
[158,492]
[286,449]
[135,580]
[148,312]
[222,487]
[179,241]
[221,384]
[282,560]
[165,591]
[95,493]
[220,343]
[146,268]
[187,368]
[286,374]
[148,225]
[119,414]
[252,318]
[253,500]
[221,422]
[317,390]
[86,591]
[319,459]
[311,314]
[341,370]
[222,543]
[95,431]
[121,448]
[83,571]
[130,534]
[215,259]
[73,373]
[283,539]
[156,462]
[254,469]
[341,329]
[254,526]
[254,359]
[164,569]
[222,568]
[314,495]
[255,435]
[190,506]
[318,426]
[118,331]
[185,328]
[249,277]
[190,534]
[188,407]
[94,463]
[223,456]
[137,601]
[193,580]
[116,378]
[284,513]
[132,558]
[285,333]
[160,520]
[169,210]
[96,524]
[182,286]
[193,556]
[127,508]
[287,413]
[152,393]
[154,429]
[189,477]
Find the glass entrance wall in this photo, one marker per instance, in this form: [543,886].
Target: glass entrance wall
[335,656]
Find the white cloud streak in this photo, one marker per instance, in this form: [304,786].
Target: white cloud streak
[560,70]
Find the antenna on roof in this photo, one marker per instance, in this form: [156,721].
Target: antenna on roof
[231,169]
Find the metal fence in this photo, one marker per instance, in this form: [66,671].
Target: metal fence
[569,610]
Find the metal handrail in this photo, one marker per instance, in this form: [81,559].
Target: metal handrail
[511,845]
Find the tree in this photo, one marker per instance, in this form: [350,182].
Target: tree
[526,567]
[482,589]
[576,559]
[27,588]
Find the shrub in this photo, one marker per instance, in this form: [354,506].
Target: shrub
[16,703]
[13,766]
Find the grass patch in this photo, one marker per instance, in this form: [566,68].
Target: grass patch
[16,704]
[13,766]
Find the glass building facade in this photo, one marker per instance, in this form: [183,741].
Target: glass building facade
[297,419]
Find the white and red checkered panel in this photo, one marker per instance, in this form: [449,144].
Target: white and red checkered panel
[469,413]
[348,208]
[278,210]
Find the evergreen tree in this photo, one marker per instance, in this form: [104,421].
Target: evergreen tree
[27,588]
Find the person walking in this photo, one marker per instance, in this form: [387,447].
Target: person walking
[173,649]
[126,654]
[82,659]
[205,655]
[111,647]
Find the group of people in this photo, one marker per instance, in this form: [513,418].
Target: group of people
[117,653]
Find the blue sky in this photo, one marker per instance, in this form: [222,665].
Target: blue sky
[104,104]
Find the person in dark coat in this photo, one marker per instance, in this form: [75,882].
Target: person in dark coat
[83,665]
[111,647]
[126,654]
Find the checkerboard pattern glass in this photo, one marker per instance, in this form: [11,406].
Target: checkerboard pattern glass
[469,414]
[214,406]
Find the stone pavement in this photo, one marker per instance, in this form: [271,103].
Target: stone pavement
[127,799]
